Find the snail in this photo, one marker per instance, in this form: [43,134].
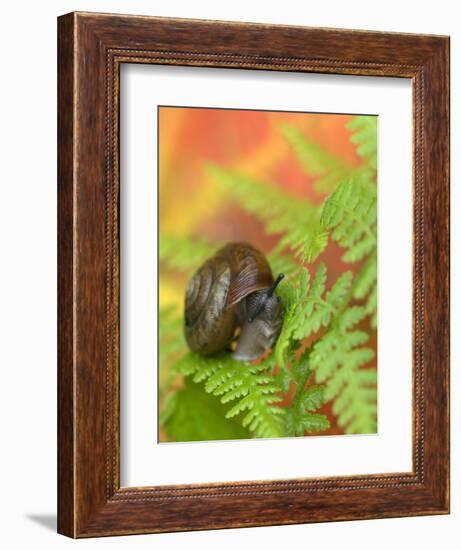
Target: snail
[231,297]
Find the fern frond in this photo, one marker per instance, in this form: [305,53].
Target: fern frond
[253,391]
[365,135]
[366,287]
[356,405]
[305,311]
[372,306]
[312,398]
[338,360]
[309,246]
[308,308]
[282,213]
[366,278]
[301,416]
[350,213]
[316,160]
[289,294]
[183,253]
[298,425]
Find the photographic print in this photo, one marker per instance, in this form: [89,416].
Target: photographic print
[267,289]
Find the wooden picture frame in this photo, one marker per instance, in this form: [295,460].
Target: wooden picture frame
[91,49]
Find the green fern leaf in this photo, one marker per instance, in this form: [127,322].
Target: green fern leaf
[365,135]
[316,160]
[306,311]
[372,306]
[336,297]
[350,214]
[366,278]
[312,398]
[309,422]
[301,418]
[254,392]
[338,361]
[298,425]
[301,370]
[365,287]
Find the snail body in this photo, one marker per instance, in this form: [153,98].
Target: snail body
[233,291]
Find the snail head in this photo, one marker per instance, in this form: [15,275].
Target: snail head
[266,300]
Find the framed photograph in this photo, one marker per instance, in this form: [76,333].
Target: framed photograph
[253,259]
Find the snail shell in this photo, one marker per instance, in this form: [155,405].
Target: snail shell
[233,289]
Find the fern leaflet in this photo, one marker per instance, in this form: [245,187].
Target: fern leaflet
[338,358]
[364,135]
[250,387]
[301,416]
[316,161]
[307,309]
[351,215]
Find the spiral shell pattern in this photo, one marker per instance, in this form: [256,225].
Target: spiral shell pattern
[215,291]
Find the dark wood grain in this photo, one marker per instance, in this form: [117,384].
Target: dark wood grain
[66,486]
[91,49]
